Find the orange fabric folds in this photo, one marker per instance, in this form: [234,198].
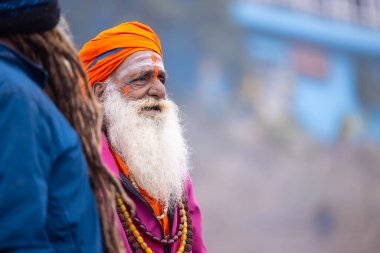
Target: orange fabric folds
[156,206]
[104,53]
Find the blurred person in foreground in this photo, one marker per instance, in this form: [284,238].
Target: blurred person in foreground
[50,133]
[142,141]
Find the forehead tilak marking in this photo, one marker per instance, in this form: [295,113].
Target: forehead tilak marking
[144,56]
[154,59]
[142,61]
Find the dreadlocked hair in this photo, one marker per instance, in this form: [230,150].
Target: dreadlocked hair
[68,88]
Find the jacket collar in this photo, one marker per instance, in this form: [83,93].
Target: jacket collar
[34,71]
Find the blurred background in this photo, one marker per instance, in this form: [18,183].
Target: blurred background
[281,102]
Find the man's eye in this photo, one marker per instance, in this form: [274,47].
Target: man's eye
[162,79]
[140,79]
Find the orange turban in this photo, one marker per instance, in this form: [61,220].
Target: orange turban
[104,53]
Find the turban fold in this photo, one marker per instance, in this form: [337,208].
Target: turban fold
[104,53]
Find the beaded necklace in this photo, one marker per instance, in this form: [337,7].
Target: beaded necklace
[132,224]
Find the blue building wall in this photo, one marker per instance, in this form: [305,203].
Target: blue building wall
[320,106]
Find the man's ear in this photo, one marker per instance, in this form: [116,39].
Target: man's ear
[99,88]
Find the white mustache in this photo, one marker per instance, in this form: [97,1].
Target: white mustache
[152,103]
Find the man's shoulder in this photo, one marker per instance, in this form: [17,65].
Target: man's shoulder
[18,74]
[21,94]
[14,80]
[188,185]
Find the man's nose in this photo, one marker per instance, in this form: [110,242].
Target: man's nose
[157,89]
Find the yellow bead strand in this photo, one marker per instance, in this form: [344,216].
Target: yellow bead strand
[137,235]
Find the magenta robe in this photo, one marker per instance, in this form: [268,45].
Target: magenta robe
[152,224]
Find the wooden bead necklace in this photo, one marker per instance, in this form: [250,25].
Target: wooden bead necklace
[132,224]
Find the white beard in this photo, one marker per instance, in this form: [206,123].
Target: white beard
[152,147]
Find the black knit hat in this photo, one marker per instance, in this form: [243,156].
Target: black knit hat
[28,16]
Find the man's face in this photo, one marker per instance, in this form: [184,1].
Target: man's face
[141,75]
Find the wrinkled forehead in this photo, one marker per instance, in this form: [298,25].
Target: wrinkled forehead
[139,61]
[148,57]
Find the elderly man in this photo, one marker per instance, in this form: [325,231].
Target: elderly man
[143,142]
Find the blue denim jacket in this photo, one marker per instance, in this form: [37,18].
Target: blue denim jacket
[46,203]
